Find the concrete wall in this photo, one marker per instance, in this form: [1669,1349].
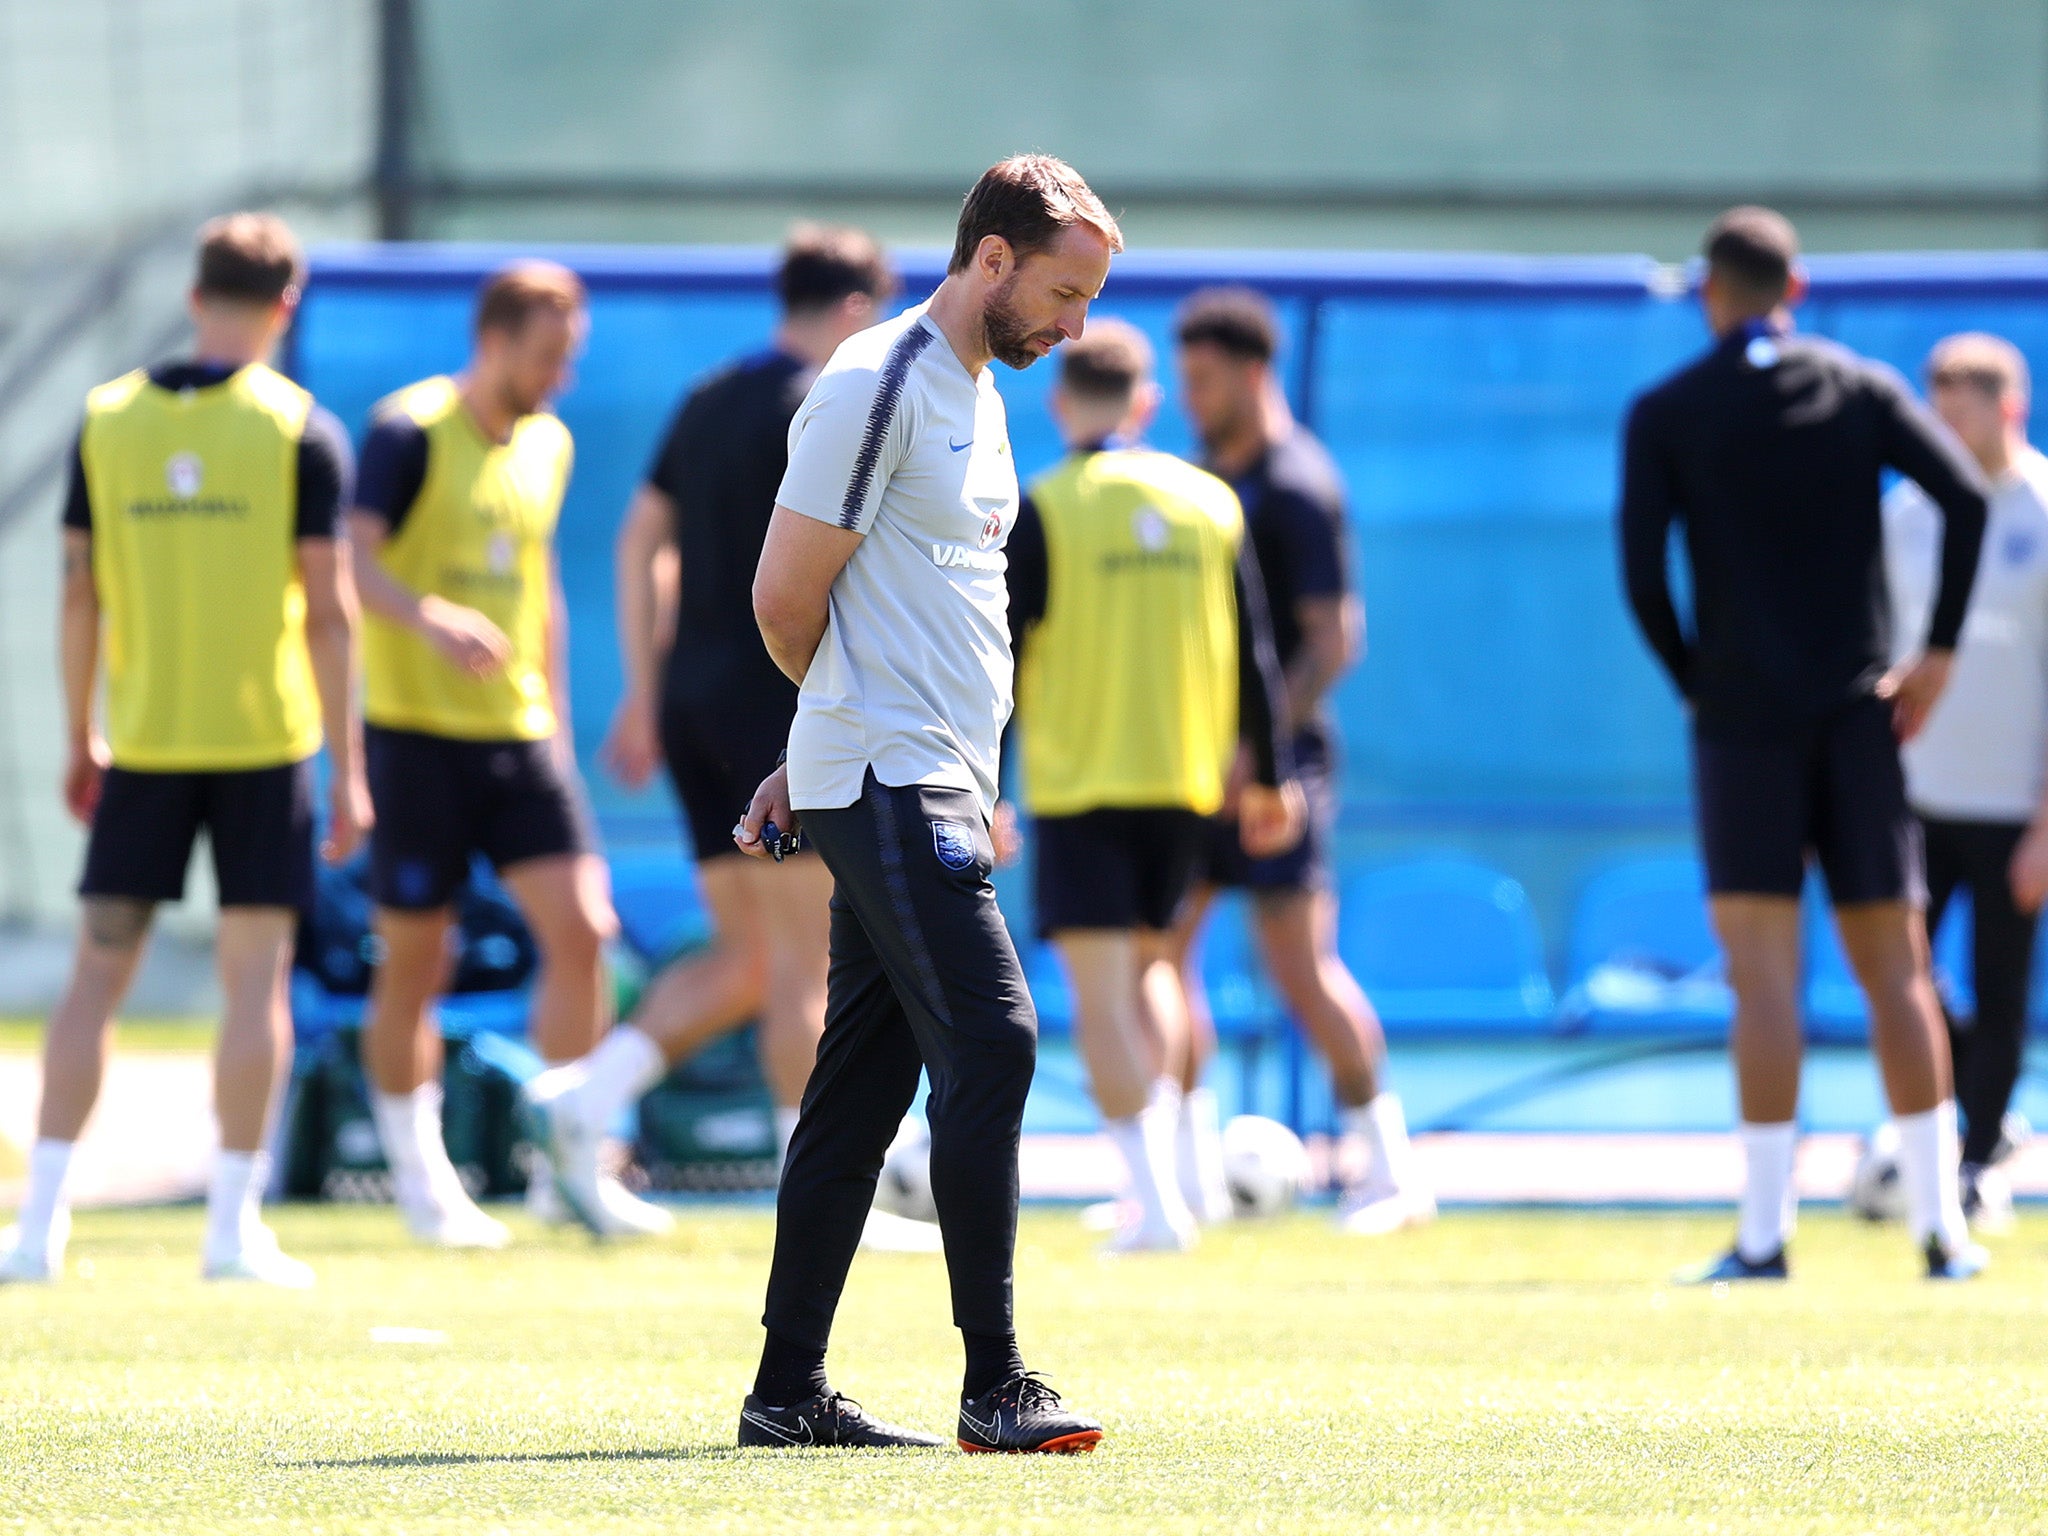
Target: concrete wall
[117,111]
[1455,123]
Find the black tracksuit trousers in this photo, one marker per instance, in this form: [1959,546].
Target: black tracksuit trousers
[1974,856]
[923,976]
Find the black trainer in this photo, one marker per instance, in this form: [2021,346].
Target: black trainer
[827,1420]
[1023,1414]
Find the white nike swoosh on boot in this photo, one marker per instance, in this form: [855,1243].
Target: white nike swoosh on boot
[778,1431]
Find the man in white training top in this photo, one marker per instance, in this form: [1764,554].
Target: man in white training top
[1975,776]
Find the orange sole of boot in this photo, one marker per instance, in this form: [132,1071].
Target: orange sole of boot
[1065,1445]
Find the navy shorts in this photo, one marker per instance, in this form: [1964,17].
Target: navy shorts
[717,758]
[259,822]
[1833,791]
[1305,866]
[1115,867]
[439,800]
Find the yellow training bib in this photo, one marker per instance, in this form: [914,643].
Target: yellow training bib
[479,533]
[1128,692]
[194,498]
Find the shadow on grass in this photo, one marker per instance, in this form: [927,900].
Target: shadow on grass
[514,1458]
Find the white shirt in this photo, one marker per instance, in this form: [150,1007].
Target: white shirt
[898,441]
[1983,752]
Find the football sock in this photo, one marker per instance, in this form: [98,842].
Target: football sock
[234,1196]
[49,1180]
[1129,1136]
[785,1127]
[1162,1131]
[1928,1156]
[1770,1203]
[1383,1127]
[409,1126]
[992,1359]
[1146,1141]
[1160,1122]
[789,1373]
[624,1066]
[1198,1155]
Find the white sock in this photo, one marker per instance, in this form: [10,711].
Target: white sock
[234,1200]
[1129,1136]
[1382,1125]
[1198,1154]
[1146,1140]
[409,1126]
[1928,1155]
[1770,1203]
[624,1066]
[49,1179]
[785,1127]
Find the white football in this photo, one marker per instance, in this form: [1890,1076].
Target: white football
[1876,1192]
[905,1188]
[1265,1166]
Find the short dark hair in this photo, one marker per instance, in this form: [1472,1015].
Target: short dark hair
[824,263]
[1029,200]
[1237,321]
[250,258]
[1754,249]
[1108,362]
[513,295]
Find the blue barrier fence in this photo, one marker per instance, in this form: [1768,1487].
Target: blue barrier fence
[1506,707]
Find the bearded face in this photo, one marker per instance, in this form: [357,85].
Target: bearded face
[1015,338]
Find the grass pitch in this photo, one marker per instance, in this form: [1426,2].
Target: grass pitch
[1497,1373]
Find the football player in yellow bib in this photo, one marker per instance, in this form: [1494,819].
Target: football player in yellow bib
[204,580]
[467,727]
[1144,659]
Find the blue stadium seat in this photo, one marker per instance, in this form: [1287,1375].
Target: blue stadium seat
[1643,955]
[1446,946]
[661,908]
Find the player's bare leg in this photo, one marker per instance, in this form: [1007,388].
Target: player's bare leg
[1198,1146]
[253,950]
[566,901]
[1760,936]
[1297,933]
[795,901]
[110,940]
[766,961]
[1122,1038]
[402,1054]
[1886,942]
[709,994]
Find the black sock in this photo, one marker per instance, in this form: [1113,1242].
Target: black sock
[790,1372]
[992,1359]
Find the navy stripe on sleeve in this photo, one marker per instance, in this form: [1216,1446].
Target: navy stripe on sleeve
[895,370]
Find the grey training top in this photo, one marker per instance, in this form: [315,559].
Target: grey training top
[897,441]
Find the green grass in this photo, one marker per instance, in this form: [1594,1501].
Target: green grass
[21,1036]
[1497,1373]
